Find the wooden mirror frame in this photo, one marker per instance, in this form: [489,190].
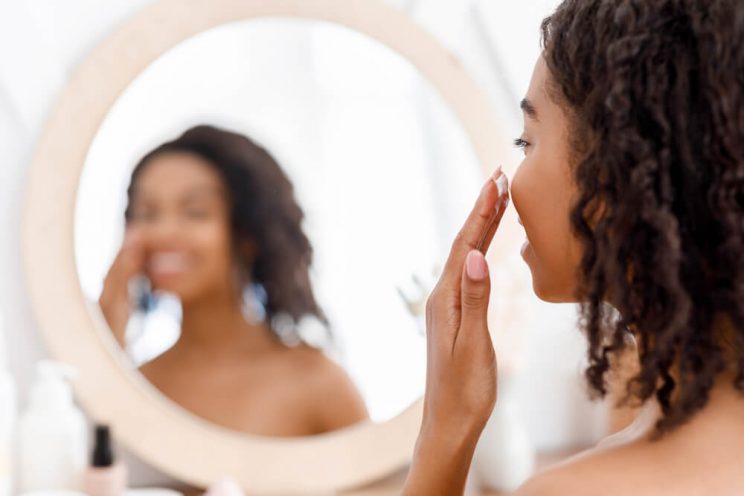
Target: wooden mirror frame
[174,441]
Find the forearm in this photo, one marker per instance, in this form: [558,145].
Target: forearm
[441,464]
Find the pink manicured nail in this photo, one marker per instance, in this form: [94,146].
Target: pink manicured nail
[475,265]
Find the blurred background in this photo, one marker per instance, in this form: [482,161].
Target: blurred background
[42,41]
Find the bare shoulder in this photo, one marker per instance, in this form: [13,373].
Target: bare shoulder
[321,373]
[155,371]
[330,388]
[617,471]
[566,480]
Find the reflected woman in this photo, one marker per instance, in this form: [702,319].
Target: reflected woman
[210,214]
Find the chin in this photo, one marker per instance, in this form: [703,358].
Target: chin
[182,291]
[550,293]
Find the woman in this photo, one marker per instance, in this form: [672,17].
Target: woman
[210,214]
[631,194]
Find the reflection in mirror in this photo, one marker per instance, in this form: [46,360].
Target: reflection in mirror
[261,216]
[212,220]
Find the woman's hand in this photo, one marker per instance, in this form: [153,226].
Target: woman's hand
[461,362]
[114,301]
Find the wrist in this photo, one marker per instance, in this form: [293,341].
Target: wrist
[441,461]
[453,437]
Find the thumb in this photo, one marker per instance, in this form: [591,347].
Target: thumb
[476,290]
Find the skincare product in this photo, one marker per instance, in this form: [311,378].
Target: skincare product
[104,477]
[7,418]
[52,433]
[505,457]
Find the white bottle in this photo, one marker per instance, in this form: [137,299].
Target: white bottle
[505,457]
[52,433]
[7,419]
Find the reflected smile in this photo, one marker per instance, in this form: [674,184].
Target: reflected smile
[168,263]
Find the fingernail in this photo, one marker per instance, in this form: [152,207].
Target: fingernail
[496,173]
[502,185]
[475,265]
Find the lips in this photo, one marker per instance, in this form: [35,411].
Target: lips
[168,263]
[526,244]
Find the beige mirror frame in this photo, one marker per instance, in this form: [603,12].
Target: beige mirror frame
[167,437]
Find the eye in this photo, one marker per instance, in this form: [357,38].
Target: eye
[520,143]
[197,210]
[197,213]
[143,215]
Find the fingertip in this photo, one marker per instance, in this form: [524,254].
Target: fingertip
[502,184]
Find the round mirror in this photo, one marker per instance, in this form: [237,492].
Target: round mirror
[290,162]
[280,183]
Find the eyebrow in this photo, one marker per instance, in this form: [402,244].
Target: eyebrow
[203,191]
[190,195]
[528,108]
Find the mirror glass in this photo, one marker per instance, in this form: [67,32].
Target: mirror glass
[260,217]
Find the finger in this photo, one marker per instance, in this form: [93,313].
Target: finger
[130,259]
[132,238]
[493,224]
[479,228]
[476,291]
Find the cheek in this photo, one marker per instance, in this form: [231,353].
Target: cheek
[213,240]
[542,198]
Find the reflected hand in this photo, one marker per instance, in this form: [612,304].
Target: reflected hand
[461,362]
[114,301]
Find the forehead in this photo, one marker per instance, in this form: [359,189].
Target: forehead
[177,173]
[537,90]
[538,94]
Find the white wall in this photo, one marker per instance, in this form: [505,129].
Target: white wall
[41,41]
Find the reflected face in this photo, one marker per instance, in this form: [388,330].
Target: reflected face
[542,192]
[181,218]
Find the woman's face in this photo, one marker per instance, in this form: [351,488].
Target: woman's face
[542,191]
[180,216]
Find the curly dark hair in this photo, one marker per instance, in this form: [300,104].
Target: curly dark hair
[263,211]
[654,91]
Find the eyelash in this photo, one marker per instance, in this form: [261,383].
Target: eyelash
[520,143]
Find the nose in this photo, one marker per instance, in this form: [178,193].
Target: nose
[164,231]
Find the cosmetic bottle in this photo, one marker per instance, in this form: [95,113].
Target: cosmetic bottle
[505,456]
[104,477]
[52,433]
[7,418]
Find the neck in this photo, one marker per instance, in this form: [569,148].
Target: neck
[724,397]
[215,325]
[725,405]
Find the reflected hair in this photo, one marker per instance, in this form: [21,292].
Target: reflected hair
[264,214]
[654,91]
